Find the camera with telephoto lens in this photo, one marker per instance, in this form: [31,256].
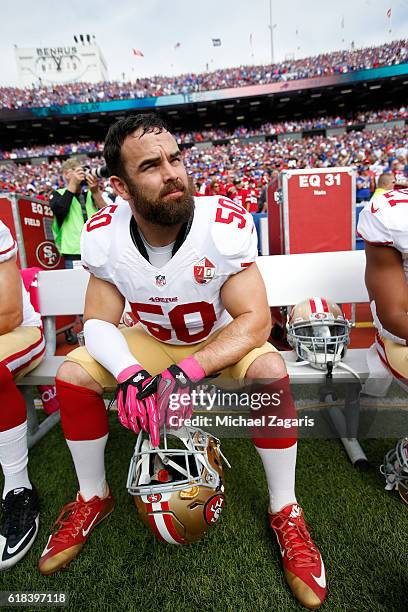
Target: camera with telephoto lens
[100,172]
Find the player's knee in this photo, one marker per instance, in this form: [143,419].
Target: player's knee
[75,374]
[269,365]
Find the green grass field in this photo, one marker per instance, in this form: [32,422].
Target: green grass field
[360,528]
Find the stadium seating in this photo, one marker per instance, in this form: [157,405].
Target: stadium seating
[218,134]
[325,64]
[375,150]
[289,279]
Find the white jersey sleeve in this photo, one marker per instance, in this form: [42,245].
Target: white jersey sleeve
[8,246]
[97,241]
[384,220]
[373,224]
[234,236]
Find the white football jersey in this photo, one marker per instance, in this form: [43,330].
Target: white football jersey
[384,221]
[180,302]
[8,249]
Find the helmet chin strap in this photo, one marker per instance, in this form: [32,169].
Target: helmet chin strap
[349,369]
[342,365]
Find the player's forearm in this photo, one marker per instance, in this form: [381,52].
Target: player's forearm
[236,340]
[108,346]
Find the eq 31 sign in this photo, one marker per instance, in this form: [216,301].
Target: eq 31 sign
[319,180]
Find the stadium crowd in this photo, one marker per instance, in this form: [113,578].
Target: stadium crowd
[338,62]
[214,134]
[253,163]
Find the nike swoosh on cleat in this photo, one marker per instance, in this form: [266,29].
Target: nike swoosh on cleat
[321,580]
[12,549]
[46,549]
[86,531]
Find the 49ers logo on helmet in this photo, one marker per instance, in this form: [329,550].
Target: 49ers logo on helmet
[204,271]
[153,498]
[213,509]
[320,315]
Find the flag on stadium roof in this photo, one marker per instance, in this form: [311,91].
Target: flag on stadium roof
[216,42]
[389,13]
[137,52]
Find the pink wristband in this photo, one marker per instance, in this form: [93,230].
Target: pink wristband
[192,368]
[128,372]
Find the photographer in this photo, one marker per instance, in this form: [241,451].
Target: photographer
[72,206]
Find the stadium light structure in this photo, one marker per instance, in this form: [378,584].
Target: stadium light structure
[271,27]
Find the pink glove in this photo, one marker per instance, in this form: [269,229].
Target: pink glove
[135,413]
[174,383]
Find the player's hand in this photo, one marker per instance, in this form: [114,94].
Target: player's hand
[173,387]
[135,413]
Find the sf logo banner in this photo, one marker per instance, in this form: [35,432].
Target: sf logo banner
[47,255]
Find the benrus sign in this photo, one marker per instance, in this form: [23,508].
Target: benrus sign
[53,51]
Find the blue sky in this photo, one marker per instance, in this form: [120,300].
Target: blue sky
[155,26]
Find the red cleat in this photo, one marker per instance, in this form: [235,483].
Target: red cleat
[302,562]
[75,523]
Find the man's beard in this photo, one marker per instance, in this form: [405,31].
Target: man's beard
[168,212]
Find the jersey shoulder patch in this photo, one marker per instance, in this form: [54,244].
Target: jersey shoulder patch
[97,238]
[8,246]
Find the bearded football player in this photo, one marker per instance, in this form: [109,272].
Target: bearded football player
[187,267]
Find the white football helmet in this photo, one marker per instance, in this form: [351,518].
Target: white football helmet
[318,331]
[178,488]
[395,469]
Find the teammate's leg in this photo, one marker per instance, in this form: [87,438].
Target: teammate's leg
[20,351]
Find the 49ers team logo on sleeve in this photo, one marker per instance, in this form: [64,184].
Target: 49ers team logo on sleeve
[204,271]
[213,508]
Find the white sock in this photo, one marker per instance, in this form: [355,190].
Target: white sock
[14,458]
[88,457]
[280,471]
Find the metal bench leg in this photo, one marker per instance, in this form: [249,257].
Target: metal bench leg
[352,415]
[36,430]
[341,425]
[32,418]
[43,428]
